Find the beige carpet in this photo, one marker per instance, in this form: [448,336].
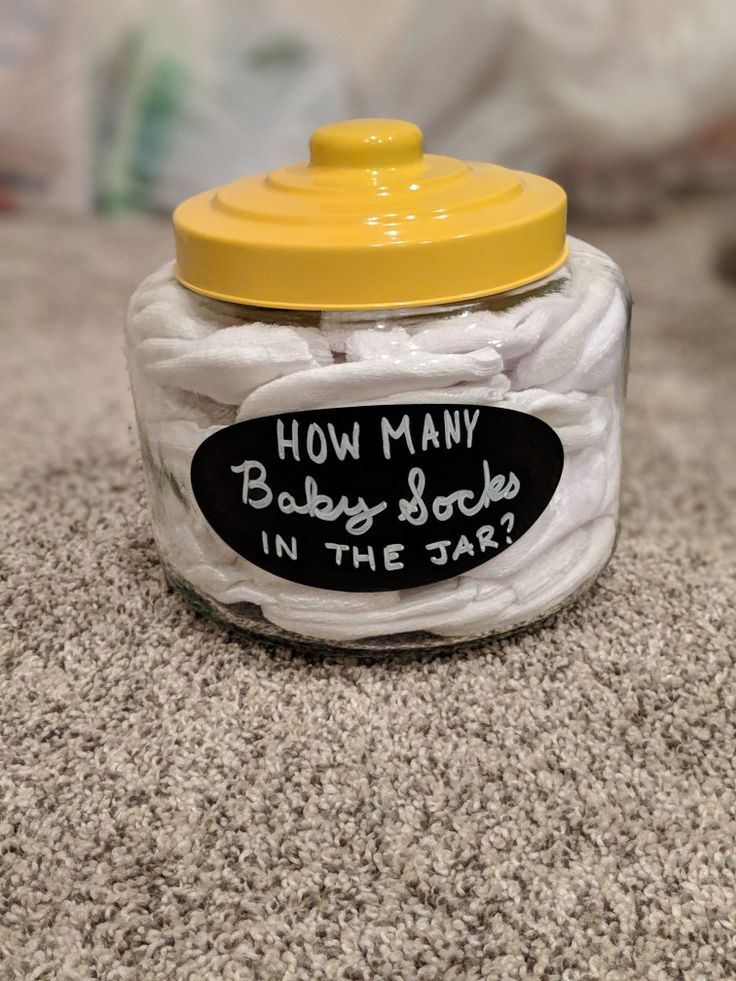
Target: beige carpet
[176,804]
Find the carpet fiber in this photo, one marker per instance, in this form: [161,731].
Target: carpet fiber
[177,804]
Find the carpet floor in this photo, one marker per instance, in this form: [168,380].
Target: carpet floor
[175,803]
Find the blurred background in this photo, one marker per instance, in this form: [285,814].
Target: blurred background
[133,105]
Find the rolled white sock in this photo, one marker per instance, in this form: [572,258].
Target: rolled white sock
[479,615]
[551,566]
[172,446]
[154,287]
[613,460]
[512,332]
[354,382]
[602,355]
[491,393]
[561,351]
[177,440]
[317,344]
[310,601]
[502,315]
[163,319]
[598,537]
[577,500]
[223,585]
[160,403]
[378,345]
[419,609]
[591,291]
[579,419]
[163,288]
[185,539]
[228,364]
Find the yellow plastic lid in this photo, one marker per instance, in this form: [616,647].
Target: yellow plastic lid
[370,222]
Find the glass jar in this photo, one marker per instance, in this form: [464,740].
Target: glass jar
[398,477]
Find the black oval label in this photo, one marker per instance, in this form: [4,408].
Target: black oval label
[378,497]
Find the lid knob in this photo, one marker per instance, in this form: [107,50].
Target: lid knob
[366,144]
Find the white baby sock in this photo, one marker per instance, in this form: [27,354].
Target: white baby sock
[227,364]
[354,382]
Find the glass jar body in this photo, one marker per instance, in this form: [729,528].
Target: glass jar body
[431,381]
